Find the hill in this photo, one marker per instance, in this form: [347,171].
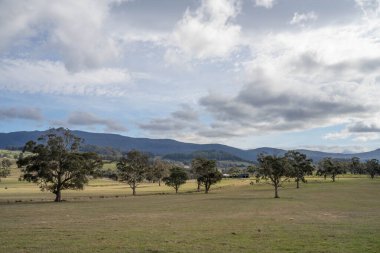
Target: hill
[170,147]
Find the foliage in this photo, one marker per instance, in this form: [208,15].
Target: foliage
[56,164]
[158,171]
[330,167]
[207,154]
[5,166]
[372,167]
[206,172]
[275,168]
[177,177]
[132,169]
[300,166]
[356,167]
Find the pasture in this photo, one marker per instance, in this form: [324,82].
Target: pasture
[234,217]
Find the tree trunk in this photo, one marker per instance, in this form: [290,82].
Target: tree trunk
[298,183]
[58,196]
[134,190]
[199,186]
[333,177]
[176,189]
[372,176]
[207,187]
[276,191]
[159,182]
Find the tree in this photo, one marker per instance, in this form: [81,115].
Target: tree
[5,168]
[206,172]
[300,166]
[177,177]
[132,169]
[160,170]
[356,167]
[328,166]
[372,167]
[274,168]
[56,163]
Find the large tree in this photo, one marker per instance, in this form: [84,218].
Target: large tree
[329,167]
[300,166]
[274,168]
[372,167]
[132,169]
[56,164]
[206,172]
[5,168]
[177,177]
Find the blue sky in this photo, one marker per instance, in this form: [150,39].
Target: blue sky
[246,73]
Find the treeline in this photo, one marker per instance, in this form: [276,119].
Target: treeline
[56,163]
[207,154]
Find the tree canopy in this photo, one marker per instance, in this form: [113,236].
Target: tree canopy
[56,163]
[206,172]
[177,177]
[299,166]
[132,169]
[5,168]
[273,168]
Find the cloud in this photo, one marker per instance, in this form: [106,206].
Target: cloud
[208,32]
[301,18]
[87,119]
[183,119]
[361,131]
[370,8]
[265,3]
[74,30]
[53,78]
[21,113]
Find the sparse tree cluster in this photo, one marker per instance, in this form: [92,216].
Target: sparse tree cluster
[5,168]
[55,162]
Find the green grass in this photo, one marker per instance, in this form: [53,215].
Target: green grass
[234,217]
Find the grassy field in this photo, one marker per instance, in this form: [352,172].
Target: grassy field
[234,217]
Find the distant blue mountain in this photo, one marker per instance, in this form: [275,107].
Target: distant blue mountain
[166,146]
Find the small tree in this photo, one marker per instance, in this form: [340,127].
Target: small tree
[160,169]
[5,166]
[132,169]
[356,167]
[329,167]
[206,172]
[177,177]
[300,166]
[274,168]
[56,163]
[372,167]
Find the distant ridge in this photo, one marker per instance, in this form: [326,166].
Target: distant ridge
[169,147]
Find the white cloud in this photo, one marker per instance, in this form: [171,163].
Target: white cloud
[205,33]
[53,78]
[265,3]
[370,8]
[87,119]
[75,30]
[301,18]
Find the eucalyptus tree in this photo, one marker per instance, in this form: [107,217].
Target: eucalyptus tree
[300,166]
[330,167]
[132,169]
[206,172]
[176,178]
[56,164]
[275,168]
[372,167]
[5,168]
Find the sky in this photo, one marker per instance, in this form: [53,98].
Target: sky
[246,73]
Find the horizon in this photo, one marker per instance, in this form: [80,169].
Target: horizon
[285,74]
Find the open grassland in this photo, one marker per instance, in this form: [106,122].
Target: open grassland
[234,217]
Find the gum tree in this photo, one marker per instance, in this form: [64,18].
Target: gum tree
[132,169]
[55,163]
[299,166]
[274,168]
[177,177]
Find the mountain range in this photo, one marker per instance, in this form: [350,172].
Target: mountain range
[167,147]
